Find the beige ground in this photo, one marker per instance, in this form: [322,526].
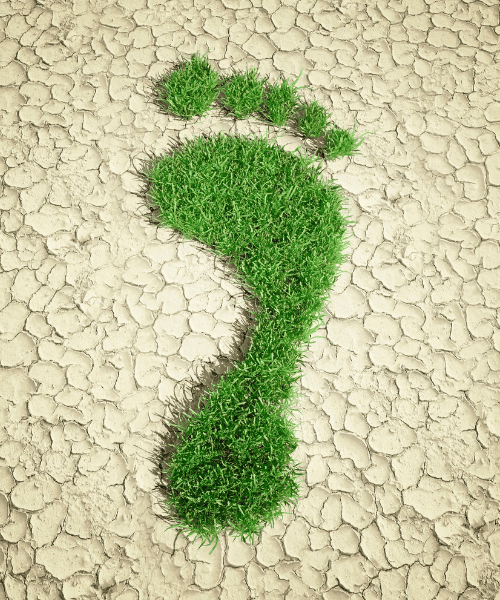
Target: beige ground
[101,316]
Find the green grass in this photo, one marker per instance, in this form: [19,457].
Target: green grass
[281,225]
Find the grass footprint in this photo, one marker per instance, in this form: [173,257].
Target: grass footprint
[266,210]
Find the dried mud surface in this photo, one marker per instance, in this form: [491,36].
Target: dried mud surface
[102,317]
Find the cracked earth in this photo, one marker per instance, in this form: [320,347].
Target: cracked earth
[102,317]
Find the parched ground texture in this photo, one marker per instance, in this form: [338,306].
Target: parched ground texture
[101,317]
